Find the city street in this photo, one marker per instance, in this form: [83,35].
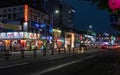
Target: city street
[105,64]
[59,37]
[102,62]
[41,64]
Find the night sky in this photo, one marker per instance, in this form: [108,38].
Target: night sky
[87,14]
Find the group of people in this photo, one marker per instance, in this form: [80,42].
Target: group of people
[11,47]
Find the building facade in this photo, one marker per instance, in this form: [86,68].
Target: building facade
[34,25]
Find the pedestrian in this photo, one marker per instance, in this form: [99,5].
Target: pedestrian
[10,47]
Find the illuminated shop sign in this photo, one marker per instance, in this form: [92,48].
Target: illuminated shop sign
[26,35]
[36,36]
[10,35]
[18,35]
[31,35]
[56,30]
[48,38]
[3,35]
[25,13]
[37,25]
[10,26]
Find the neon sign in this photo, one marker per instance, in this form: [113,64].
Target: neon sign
[25,13]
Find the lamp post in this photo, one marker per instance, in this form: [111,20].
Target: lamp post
[55,12]
[90,27]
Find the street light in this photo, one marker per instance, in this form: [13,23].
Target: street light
[57,11]
[52,14]
[90,26]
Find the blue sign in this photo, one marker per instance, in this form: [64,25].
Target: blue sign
[38,25]
[51,28]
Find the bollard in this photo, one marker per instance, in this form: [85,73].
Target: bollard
[22,54]
[35,53]
[59,50]
[44,50]
[64,50]
[73,49]
[52,51]
[69,50]
[6,55]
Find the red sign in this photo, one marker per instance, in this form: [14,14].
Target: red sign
[25,13]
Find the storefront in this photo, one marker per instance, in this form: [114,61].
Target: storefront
[69,40]
[57,38]
[20,40]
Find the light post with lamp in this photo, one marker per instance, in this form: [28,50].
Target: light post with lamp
[90,27]
[53,42]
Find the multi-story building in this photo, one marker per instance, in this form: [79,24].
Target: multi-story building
[64,18]
[67,15]
[33,23]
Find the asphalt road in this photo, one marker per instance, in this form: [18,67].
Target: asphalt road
[36,66]
[108,63]
[103,63]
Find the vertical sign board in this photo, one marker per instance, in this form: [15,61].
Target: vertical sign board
[25,13]
[25,24]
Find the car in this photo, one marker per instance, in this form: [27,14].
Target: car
[103,47]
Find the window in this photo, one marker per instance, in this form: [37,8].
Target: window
[48,21]
[20,8]
[4,16]
[35,18]
[9,16]
[20,15]
[4,11]
[31,11]
[31,17]
[14,16]
[9,10]
[35,12]
[14,9]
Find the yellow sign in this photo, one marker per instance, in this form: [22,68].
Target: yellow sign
[13,27]
[56,30]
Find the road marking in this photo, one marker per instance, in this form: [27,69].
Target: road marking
[63,65]
[13,65]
